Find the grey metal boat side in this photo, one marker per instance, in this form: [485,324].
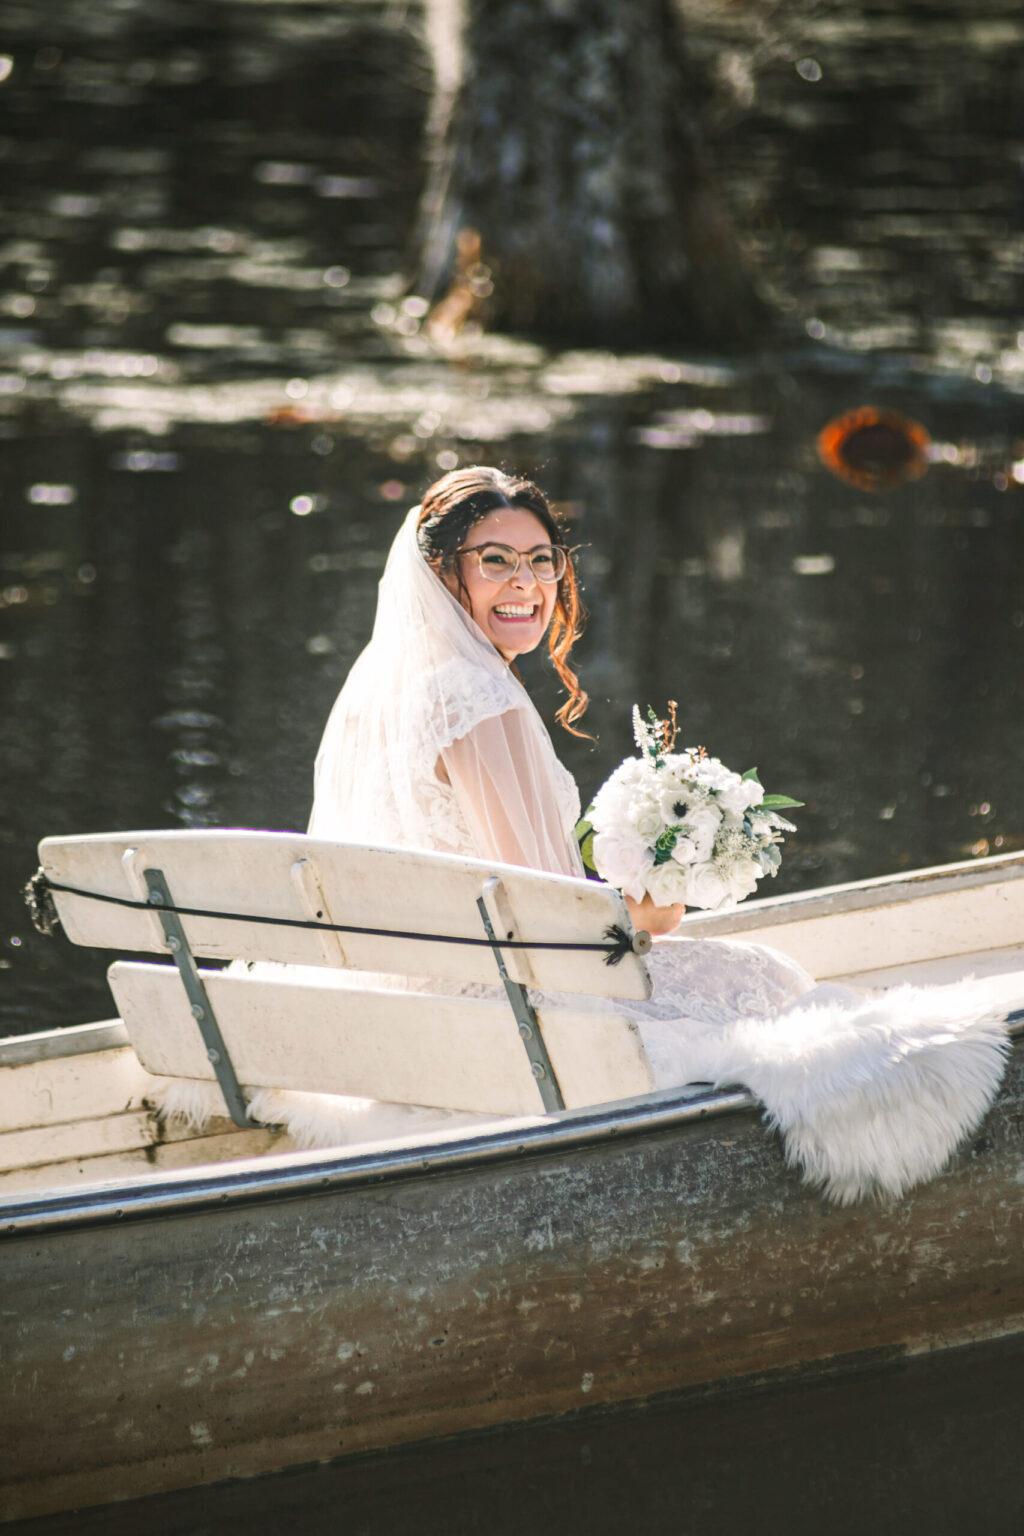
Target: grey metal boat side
[307,1174]
[238,1335]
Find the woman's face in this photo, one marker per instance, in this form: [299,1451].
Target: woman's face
[513,614]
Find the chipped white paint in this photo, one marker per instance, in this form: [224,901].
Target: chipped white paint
[587,1381]
[540,1237]
[200,1434]
[346,1350]
[202,1368]
[650,1261]
[364,1389]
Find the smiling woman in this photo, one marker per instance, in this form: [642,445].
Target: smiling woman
[478,506]
[433,742]
[509,587]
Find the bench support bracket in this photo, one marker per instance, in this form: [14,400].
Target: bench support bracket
[526,1021]
[159,897]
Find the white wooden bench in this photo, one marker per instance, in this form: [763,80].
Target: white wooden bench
[97,1102]
[326,908]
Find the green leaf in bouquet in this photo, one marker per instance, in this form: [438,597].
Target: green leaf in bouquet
[769,859]
[584,833]
[751,773]
[665,844]
[777,803]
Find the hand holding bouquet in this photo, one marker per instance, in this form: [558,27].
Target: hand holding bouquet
[680,826]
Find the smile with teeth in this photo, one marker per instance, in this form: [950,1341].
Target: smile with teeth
[515,610]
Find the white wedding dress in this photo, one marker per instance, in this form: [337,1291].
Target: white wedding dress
[434,743]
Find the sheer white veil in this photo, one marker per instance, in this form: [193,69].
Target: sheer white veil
[433,742]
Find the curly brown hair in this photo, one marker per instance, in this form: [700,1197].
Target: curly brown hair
[459,500]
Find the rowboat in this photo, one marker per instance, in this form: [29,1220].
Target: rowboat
[196,1305]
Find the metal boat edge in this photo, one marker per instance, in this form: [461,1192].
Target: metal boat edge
[289,1175]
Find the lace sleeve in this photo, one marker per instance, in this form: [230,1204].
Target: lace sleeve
[512,793]
[458,698]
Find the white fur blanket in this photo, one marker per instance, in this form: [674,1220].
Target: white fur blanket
[311,1120]
[871,1094]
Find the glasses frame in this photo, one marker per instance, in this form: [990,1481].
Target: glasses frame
[520,554]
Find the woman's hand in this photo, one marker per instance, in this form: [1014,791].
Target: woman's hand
[656,920]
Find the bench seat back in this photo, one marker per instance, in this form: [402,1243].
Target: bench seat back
[322,912]
[284,875]
[301,1030]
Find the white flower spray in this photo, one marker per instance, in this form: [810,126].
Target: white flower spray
[680,826]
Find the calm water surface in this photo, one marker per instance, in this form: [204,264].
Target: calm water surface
[215,405]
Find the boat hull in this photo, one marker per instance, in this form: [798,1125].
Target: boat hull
[328,1305]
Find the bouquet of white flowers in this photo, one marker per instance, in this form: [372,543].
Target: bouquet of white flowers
[680,825]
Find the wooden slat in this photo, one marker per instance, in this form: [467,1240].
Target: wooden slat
[77,1139]
[904,923]
[73,1088]
[70,1040]
[999,971]
[141,1161]
[306,1032]
[284,875]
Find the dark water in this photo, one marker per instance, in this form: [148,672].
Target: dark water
[215,405]
[931,1446]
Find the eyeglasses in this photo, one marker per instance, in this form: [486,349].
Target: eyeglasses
[500,562]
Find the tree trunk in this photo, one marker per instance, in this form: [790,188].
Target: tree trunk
[568,195]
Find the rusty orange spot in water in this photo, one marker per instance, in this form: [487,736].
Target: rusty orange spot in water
[874,449]
[289,416]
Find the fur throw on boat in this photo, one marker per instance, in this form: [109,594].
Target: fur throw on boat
[311,1120]
[871,1093]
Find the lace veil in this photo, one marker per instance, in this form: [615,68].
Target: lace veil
[433,742]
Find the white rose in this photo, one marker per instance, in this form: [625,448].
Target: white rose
[646,819]
[616,801]
[742,796]
[623,861]
[706,887]
[611,804]
[686,851]
[666,884]
[742,877]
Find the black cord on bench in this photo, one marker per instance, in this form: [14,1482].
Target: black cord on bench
[45,919]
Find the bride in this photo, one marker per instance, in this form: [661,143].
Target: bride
[434,743]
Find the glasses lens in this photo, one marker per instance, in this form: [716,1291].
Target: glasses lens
[497,562]
[548,563]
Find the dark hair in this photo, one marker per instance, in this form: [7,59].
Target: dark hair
[454,504]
